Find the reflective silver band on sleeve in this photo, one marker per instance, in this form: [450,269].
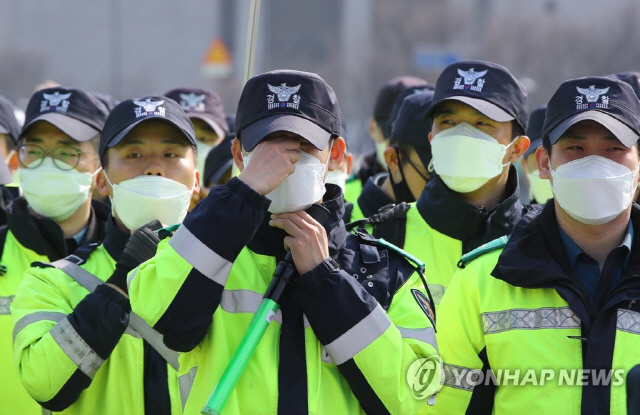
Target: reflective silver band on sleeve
[426,335]
[76,348]
[358,337]
[460,377]
[34,318]
[200,256]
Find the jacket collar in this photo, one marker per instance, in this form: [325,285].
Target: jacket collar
[536,257]
[459,220]
[114,240]
[270,241]
[372,197]
[44,236]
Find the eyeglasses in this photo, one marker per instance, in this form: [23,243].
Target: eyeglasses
[31,156]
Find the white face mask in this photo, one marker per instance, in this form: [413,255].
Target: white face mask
[53,193]
[539,189]
[140,200]
[337,177]
[380,148]
[593,190]
[466,158]
[203,150]
[302,188]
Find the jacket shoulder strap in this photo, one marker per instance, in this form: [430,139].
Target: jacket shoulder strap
[91,282]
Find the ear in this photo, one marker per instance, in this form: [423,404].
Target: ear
[337,153]
[349,157]
[430,136]
[544,163]
[391,158]
[196,185]
[14,162]
[102,185]
[236,151]
[521,145]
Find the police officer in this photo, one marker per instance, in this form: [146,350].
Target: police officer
[380,123]
[58,164]
[539,189]
[77,348]
[353,321]
[9,132]
[479,117]
[559,300]
[407,158]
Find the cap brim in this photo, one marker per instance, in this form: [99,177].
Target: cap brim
[75,129]
[255,132]
[118,138]
[626,135]
[3,130]
[485,107]
[220,132]
[220,171]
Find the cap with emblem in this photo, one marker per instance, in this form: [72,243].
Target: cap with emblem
[286,100]
[409,126]
[485,86]
[610,102]
[77,113]
[131,112]
[202,104]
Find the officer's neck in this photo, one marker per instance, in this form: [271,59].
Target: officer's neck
[488,195]
[121,225]
[597,241]
[76,222]
[387,189]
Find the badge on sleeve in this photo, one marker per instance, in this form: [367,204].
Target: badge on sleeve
[424,304]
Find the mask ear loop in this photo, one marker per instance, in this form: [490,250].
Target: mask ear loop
[11,153]
[326,164]
[505,150]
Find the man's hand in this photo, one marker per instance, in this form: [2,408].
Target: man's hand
[307,239]
[271,162]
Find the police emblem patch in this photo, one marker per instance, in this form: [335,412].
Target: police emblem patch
[192,102]
[55,102]
[283,93]
[424,304]
[148,107]
[592,94]
[468,79]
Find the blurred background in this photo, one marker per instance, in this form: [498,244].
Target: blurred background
[133,48]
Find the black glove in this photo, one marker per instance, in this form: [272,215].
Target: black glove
[141,246]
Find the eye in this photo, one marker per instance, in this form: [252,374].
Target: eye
[134,155]
[171,155]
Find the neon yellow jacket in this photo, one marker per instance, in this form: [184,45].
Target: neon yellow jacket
[25,240]
[74,350]
[342,342]
[518,313]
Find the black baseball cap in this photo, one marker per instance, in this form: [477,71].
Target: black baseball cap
[610,102]
[387,97]
[287,100]
[396,105]
[485,86]
[534,129]
[131,112]
[9,124]
[411,128]
[218,161]
[78,113]
[202,104]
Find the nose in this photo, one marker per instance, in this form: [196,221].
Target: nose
[154,168]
